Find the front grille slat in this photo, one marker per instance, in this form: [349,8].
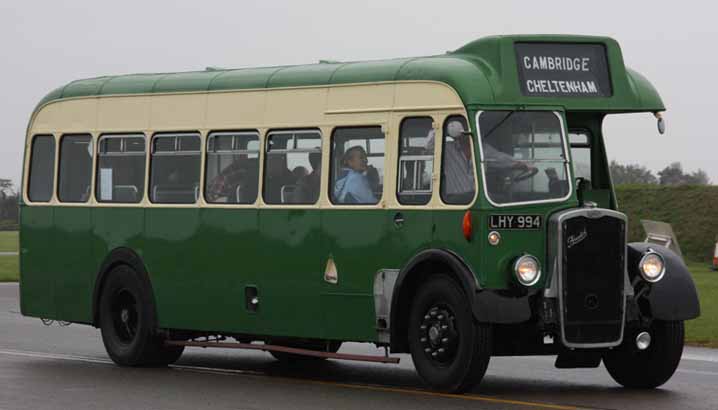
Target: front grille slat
[592,273]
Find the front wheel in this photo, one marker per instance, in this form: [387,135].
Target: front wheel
[650,368]
[450,350]
[126,311]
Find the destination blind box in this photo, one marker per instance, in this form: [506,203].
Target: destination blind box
[563,70]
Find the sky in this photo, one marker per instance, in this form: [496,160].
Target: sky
[46,44]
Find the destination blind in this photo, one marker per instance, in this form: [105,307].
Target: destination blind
[563,70]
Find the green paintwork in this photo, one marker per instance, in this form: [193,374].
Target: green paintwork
[201,260]
[483,72]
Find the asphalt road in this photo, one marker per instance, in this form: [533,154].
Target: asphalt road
[67,368]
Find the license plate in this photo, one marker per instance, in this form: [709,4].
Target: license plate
[528,222]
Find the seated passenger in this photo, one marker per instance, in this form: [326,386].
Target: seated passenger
[352,186]
[308,186]
[225,184]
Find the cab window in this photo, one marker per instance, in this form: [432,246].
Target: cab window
[457,163]
[232,174]
[416,161]
[357,159]
[292,169]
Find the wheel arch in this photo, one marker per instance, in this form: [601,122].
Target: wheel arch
[122,256]
[414,273]
[675,296]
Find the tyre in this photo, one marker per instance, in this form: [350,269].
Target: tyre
[126,317]
[450,350]
[650,368]
[332,347]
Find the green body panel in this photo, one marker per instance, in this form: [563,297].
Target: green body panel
[356,240]
[482,72]
[37,262]
[289,270]
[74,265]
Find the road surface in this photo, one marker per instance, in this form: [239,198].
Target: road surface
[66,368]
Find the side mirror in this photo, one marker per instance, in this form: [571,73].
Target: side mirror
[661,123]
[582,185]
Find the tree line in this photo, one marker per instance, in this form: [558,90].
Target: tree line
[673,174]
[8,205]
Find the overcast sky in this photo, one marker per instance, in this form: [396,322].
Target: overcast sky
[47,44]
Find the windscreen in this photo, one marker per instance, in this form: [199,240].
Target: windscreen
[523,156]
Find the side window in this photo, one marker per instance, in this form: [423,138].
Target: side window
[75,173]
[232,174]
[42,169]
[580,141]
[357,174]
[416,161]
[457,163]
[120,168]
[175,168]
[292,169]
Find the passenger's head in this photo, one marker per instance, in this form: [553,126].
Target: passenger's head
[299,172]
[355,158]
[315,160]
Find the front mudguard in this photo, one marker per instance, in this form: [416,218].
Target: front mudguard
[675,296]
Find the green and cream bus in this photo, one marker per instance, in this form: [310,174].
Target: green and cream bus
[454,207]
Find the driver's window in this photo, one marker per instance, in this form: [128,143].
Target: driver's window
[580,153]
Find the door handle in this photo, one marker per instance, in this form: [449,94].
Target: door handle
[398,220]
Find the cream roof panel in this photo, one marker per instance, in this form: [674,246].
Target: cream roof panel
[296,106]
[178,112]
[417,94]
[123,114]
[236,110]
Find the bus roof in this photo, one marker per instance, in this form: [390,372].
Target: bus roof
[484,73]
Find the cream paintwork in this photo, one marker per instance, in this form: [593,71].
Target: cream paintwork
[382,104]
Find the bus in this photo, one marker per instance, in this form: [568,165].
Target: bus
[452,207]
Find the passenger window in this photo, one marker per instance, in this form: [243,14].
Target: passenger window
[357,175]
[120,168]
[42,169]
[292,169]
[232,174]
[457,163]
[75,173]
[416,161]
[580,153]
[175,168]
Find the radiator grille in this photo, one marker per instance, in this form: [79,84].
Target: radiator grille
[593,278]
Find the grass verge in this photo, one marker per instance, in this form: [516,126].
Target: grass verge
[704,330]
[8,241]
[9,268]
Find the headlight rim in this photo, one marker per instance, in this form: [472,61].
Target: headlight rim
[648,253]
[516,270]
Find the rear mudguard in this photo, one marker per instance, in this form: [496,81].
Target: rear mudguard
[674,297]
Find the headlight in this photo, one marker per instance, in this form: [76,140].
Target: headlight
[528,270]
[652,267]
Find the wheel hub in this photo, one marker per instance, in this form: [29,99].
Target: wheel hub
[439,337]
[124,316]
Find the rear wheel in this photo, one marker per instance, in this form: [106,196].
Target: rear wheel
[450,350]
[126,312]
[646,369]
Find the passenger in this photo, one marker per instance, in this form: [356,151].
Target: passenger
[353,185]
[308,186]
[277,176]
[225,184]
